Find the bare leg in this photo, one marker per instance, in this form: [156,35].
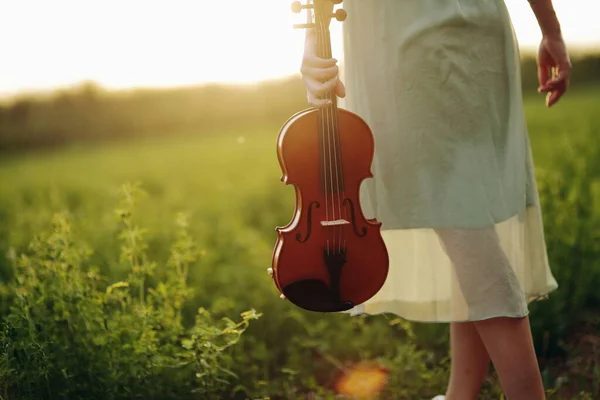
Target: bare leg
[490,286]
[510,345]
[470,362]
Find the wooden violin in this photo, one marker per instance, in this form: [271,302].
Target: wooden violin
[329,258]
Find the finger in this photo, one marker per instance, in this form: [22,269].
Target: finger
[560,80]
[547,86]
[319,89]
[317,102]
[311,60]
[552,98]
[555,95]
[319,74]
[542,74]
[340,88]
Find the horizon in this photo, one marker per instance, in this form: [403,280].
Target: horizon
[42,92]
[149,45]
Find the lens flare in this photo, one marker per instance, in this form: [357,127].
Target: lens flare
[363,381]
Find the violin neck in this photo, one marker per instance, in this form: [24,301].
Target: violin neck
[328,127]
[324,51]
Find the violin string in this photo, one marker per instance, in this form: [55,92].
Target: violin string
[333,136]
[312,18]
[338,156]
[341,184]
[329,136]
[325,118]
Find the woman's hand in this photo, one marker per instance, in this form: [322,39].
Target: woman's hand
[554,68]
[320,76]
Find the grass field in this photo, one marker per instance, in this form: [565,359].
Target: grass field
[230,176]
[229,184]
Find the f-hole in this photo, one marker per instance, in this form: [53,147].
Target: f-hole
[363,231]
[308,223]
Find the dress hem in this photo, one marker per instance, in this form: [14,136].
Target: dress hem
[531,298]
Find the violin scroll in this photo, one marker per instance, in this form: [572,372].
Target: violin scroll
[323,10]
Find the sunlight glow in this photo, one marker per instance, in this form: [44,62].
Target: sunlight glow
[119,44]
[362,381]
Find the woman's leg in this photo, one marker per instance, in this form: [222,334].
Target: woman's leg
[510,345]
[490,287]
[469,362]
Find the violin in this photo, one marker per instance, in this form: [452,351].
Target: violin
[329,258]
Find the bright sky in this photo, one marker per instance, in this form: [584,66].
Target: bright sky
[123,43]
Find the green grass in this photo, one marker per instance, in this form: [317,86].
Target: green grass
[229,183]
[233,175]
[214,178]
[575,117]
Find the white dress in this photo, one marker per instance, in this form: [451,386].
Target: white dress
[438,82]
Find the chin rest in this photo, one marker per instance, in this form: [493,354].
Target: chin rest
[315,295]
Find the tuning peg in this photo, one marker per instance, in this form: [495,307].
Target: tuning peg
[340,14]
[282,297]
[297,6]
[270,271]
[301,26]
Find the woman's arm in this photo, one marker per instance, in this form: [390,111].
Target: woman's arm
[554,65]
[546,17]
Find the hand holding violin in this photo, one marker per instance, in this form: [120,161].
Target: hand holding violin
[320,76]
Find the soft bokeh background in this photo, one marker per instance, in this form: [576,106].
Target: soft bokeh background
[122,44]
[139,183]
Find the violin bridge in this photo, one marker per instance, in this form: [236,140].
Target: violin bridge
[334,222]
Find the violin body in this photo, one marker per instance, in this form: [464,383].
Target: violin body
[329,257]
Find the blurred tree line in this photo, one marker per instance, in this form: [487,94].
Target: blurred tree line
[87,112]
